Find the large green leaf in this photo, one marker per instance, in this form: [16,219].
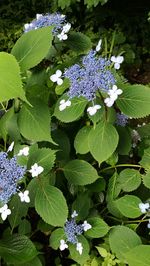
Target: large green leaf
[17,249]
[146,179]
[145,162]
[103,140]
[32,47]
[72,112]
[135,100]
[128,205]
[81,140]
[122,239]
[129,179]
[34,122]
[81,259]
[51,205]
[79,42]
[10,80]
[35,262]
[139,256]
[55,238]
[80,172]
[99,228]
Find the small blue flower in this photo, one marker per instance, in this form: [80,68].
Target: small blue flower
[121,120]
[72,230]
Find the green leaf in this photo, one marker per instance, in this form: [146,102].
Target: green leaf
[81,140]
[32,47]
[139,256]
[113,188]
[72,112]
[145,162]
[129,180]
[79,172]
[128,205]
[61,88]
[103,140]
[82,205]
[81,259]
[18,210]
[124,145]
[135,100]
[24,227]
[64,3]
[78,42]
[17,249]
[146,179]
[34,122]
[99,228]
[10,80]
[35,262]
[44,157]
[55,238]
[122,239]
[51,205]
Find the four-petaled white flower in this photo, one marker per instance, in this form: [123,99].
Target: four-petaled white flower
[93,109]
[64,104]
[24,196]
[10,148]
[57,77]
[117,60]
[74,214]
[5,212]
[63,244]
[109,102]
[24,151]
[98,47]
[63,36]
[79,248]
[86,226]
[66,27]
[144,207]
[36,170]
[114,92]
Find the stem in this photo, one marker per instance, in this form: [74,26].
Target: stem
[106,48]
[120,165]
[3,107]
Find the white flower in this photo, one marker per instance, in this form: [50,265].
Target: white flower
[86,226]
[109,102]
[56,77]
[98,47]
[114,92]
[10,148]
[5,212]
[63,244]
[144,207]
[117,60]
[38,16]
[24,151]
[26,26]
[24,196]
[64,104]
[93,109]
[62,36]
[79,248]
[66,28]
[36,170]
[74,214]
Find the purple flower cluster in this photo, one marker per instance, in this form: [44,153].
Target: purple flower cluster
[92,75]
[56,19]
[10,173]
[121,120]
[72,230]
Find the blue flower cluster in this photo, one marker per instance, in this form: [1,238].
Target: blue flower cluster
[56,19]
[121,120]
[10,173]
[72,230]
[92,75]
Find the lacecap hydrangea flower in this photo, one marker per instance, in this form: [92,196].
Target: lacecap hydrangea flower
[61,27]
[72,231]
[10,173]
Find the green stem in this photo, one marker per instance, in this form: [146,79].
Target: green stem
[120,165]
[106,48]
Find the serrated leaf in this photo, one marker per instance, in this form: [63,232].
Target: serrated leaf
[79,172]
[10,80]
[34,122]
[124,145]
[55,238]
[129,180]
[146,180]
[17,249]
[82,205]
[145,162]
[103,140]
[135,100]
[81,140]
[32,47]
[99,228]
[60,89]
[72,112]
[79,42]
[122,239]
[51,205]
[139,256]
[24,227]
[81,259]
[35,262]
[128,205]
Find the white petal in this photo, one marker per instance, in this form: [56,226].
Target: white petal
[113,59]
[98,47]
[66,27]
[86,226]
[79,248]
[53,78]
[27,26]
[68,103]
[58,73]
[59,81]
[116,65]
[62,107]
[119,91]
[62,101]
[74,214]
[10,148]
[63,245]
[114,88]
[4,208]
[120,59]
[38,16]
[97,106]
